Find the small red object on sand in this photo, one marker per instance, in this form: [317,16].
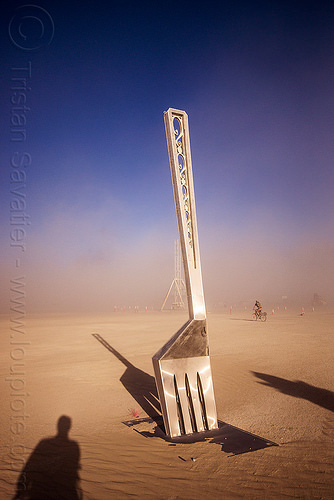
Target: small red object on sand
[134,413]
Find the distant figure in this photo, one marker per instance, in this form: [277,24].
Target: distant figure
[51,472]
[257,307]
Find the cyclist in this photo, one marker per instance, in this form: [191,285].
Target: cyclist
[258,308]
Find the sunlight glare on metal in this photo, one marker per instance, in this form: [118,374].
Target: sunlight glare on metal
[169,395]
[208,386]
[167,373]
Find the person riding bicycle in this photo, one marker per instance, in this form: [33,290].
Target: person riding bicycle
[258,308]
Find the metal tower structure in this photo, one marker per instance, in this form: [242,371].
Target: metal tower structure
[178,285]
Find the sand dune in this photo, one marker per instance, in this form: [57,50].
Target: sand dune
[274,392]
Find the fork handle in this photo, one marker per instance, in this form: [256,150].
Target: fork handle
[177,133]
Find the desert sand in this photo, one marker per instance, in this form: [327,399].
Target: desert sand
[273,383]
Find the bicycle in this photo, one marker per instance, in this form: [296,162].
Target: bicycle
[259,315]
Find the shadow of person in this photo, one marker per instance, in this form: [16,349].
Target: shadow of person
[138,383]
[51,472]
[299,389]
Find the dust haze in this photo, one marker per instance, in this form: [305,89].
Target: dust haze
[87,267]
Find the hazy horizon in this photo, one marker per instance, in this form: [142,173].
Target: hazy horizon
[257,83]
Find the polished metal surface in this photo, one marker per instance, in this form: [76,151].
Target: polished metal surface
[177,133]
[182,366]
[188,396]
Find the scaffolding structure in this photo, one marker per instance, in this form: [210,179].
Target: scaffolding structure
[178,286]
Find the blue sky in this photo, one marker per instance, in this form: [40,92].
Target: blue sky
[257,81]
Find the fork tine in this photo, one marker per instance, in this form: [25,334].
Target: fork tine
[186,411]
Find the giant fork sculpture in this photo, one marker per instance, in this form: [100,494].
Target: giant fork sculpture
[182,366]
